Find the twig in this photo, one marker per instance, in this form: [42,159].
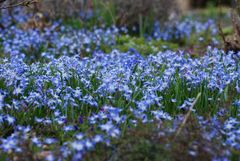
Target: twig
[187,116]
[23,3]
[236,27]
[220,31]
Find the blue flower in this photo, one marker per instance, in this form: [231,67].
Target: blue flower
[11,120]
[50,140]
[78,145]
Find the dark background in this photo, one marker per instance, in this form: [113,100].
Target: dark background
[205,3]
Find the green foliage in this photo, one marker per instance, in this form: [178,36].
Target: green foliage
[227,30]
[105,11]
[210,12]
[124,43]
[74,23]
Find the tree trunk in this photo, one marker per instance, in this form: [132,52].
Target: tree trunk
[184,5]
[232,42]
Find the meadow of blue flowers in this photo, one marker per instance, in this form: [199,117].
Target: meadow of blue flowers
[58,104]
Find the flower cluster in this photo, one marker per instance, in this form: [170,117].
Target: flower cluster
[53,96]
[34,45]
[183,29]
[104,92]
